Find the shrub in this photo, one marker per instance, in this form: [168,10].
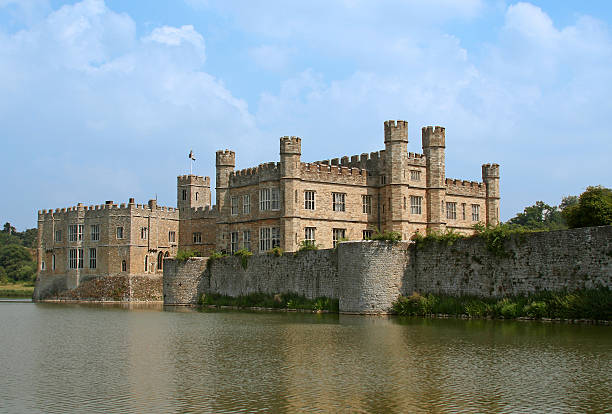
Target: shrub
[244,257]
[392,237]
[214,256]
[306,245]
[184,254]
[276,251]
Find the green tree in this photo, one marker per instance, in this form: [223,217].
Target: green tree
[594,208]
[539,216]
[17,262]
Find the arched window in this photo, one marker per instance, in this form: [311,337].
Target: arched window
[196,196]
[167,254]
[123,266]
[160,260]
[146,263]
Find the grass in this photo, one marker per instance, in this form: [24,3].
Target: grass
[265,300]
[594,304]
[17,290]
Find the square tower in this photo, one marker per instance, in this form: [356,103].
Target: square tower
[193,191]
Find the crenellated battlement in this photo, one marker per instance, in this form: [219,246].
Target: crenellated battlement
[465,188]
[107,208]
[193,180]
[225,158]
[248,176]
[199,213]
[433,136]
[291,145]
[396,131]
[364,161]
[490,171]
[333,174]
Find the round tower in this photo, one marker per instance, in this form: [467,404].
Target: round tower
[490,176]
[290,152]
[434,144]
[225,163]
[396,158]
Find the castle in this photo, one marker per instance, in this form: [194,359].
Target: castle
[277,204]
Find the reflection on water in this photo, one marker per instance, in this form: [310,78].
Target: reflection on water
[60,358]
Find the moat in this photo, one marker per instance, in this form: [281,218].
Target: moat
[59,358]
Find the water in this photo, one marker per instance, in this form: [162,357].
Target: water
[58,358]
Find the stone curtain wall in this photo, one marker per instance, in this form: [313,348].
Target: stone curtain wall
[551,261]
[183,281]
[311,274]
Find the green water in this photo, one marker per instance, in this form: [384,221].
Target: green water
[110,359]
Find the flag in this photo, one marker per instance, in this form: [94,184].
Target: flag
[191,156]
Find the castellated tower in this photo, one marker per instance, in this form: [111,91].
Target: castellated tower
[193,191]
[433,139]
[490,176]
[225,163]
[396,153]
[290,152]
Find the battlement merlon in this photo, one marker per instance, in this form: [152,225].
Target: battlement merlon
[433,137]
[225,158]
[396,131]
[291,145]
[193,180]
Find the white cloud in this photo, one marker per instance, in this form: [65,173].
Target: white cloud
[271,57]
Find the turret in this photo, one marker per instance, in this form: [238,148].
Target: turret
[434,143]
[490,176]
[290,151]
[225,163]
[192,191]
[396,150]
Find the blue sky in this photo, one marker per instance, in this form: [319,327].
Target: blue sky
[103,100]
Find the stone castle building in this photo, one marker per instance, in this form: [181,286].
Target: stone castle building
[277,204]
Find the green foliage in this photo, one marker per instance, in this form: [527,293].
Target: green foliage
[214,256]
[447,237]
[594,208]
[184,254]
[9,235]
[265,300]
[16,263]
[392,237]
[244,257]
[595,304]
[276,251]
[307,245]
[540,216]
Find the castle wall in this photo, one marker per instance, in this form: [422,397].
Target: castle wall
[367,277]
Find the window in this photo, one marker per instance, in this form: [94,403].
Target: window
[309,235]
[246,240]
[475,212]
[197,237]
[172,236]
[73,232]
[184,195]
[95,232]
[269,238]
[338,235]
[246,204]
[415,175]
[268,199]
[53,262]
[338,201]
[92,258]
[367,234]
[72,258]
[143,233]
[146,263]
[123,266]
[42,265]
[196,196]
[80,232]
[58,235]
[234,242]
[451,211]
[234,205]
[404,203]
[415,204]
[463,211]
[160,261]
[264,239]
[119,232]
[275,237]
[366,204]
[309,200]
[383,179]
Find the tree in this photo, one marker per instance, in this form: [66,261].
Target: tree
[539,216]
[8,228]
[594,208]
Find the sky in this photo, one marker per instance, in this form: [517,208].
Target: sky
[103,100]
